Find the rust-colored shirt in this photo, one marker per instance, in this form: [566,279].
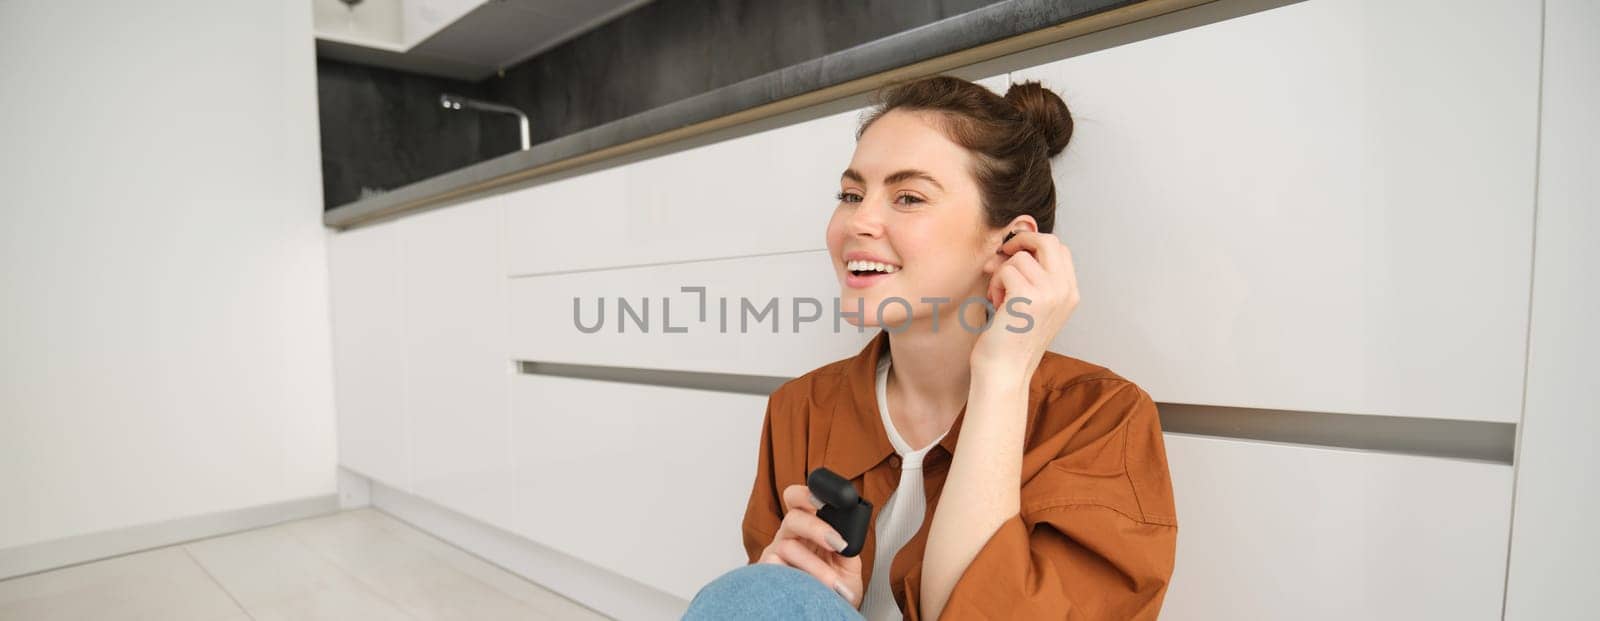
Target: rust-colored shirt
[1097,531]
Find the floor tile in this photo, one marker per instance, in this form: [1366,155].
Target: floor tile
[337,600]
[163,584]
[395,565]
[263,566]
[360,564]
[549,603]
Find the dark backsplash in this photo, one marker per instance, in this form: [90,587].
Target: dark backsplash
[382,129]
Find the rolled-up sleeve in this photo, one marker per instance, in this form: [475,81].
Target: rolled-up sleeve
[1097,534]
[764,511]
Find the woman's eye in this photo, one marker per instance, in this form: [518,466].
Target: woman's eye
[851,197]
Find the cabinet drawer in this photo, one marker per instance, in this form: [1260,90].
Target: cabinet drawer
[1272,531]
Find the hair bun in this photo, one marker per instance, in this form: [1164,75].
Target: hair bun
[1045,112]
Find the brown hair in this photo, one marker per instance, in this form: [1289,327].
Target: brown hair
[1012,138]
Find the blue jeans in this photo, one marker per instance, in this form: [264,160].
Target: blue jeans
[768,591]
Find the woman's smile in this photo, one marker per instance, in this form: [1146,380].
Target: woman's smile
[864,269]
[863,279]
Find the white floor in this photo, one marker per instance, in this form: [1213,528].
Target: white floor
[359,564]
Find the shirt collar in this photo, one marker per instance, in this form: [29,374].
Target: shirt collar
[856,439]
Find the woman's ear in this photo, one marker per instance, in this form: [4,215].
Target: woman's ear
[1023,223]
[1000,236]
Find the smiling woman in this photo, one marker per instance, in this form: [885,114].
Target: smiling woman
[1057,500]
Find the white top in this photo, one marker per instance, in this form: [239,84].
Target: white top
[901,516]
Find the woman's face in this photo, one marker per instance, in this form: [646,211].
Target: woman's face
[908,200]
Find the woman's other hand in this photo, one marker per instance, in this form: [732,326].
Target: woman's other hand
[807,543]
[1038,268]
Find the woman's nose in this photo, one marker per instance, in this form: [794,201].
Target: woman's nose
[866,220]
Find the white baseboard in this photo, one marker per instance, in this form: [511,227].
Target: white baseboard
[355,489]
[605,591]
[46,555]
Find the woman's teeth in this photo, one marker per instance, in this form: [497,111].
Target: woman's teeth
[871,266]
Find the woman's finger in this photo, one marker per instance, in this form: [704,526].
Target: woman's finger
[997,290]
[1030,267]
[1044,246]
[797,554]
[1008,282]
[799,498]
[811,529]
[1000,288]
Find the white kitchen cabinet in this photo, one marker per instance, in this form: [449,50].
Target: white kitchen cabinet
[456,368]
[647,481]
[1324,206]
[731,339]
[1276,531]
[368,353]
[420,355]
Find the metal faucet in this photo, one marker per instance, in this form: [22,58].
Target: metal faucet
[456,102]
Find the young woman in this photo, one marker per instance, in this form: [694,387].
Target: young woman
[1056,502]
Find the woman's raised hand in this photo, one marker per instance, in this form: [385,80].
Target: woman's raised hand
[807,543]
[1039,268]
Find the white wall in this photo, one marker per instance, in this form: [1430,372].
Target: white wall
[164,339]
